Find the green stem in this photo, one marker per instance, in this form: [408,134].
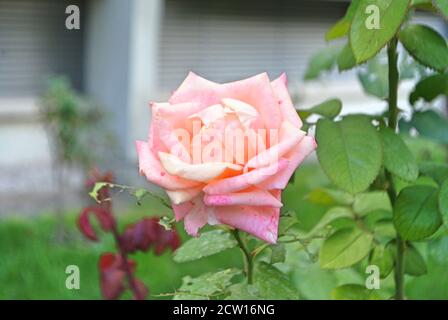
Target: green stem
[393,121]
[248,258]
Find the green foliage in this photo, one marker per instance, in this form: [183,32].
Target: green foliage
[368,202]
[442,7]
[344,248]
[416,213]
[426,46]
[437,171]
[207,244]
[70,120]
[328,109]
[206,286]
[431,125]
[273,284]
[371,30]
[323,60]
[330,216]
[346,60]
[398,159]
[243,291]
[342,27]
[354,292]
[383,258]
[430,88]
[349,151]
[278,253]
[414,263]
[443,201]
[374,78]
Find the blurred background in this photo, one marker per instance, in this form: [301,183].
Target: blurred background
[125,54]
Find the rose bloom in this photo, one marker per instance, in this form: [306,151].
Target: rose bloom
[224,152]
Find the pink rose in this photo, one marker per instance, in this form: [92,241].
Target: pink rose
[224,152]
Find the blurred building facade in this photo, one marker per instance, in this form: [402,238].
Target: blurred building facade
[130,52]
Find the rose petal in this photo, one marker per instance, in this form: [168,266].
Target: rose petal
[151,167]
[296,156]
[257,92]
[202,172]
[289,137]
[181,196]
[252,198]
[245,112]
[246,180]
[287,109]
[261,222]
[199,90]
[210,114]
[196,218]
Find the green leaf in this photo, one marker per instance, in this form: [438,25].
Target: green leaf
[278,253]
[328,196]
[416,215]
[443,201]
[398,159]
[344,248]
[431,125]
[323,60]
[342,27]
[414,263]
[328,109]
[437,171]
[330,216]
[354,292]
[383,259]
[430,88]
[442,7]
[371,201]
[205,286]
[374,78]
[207,244]
[243,291]
[349,152]
[374,24]
[273,284]
[96,188]
[426,46]
[346,60]
[400,184]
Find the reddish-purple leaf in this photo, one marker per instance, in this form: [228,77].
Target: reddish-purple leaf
[142,290]
[104,217]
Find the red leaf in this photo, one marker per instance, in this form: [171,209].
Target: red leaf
[112,284]
[141,289]
[149,233]
[85,226]
[103,216]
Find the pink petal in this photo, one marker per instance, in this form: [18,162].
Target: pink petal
[246,180]
[180,196]
[257,92]
[296,156]
[287,109]
[197,89]
[196,218]
[151,167]
[289,137]
[252,198]
[181,210]
[261,222]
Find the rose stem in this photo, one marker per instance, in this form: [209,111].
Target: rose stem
[393,119]
[248,258]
